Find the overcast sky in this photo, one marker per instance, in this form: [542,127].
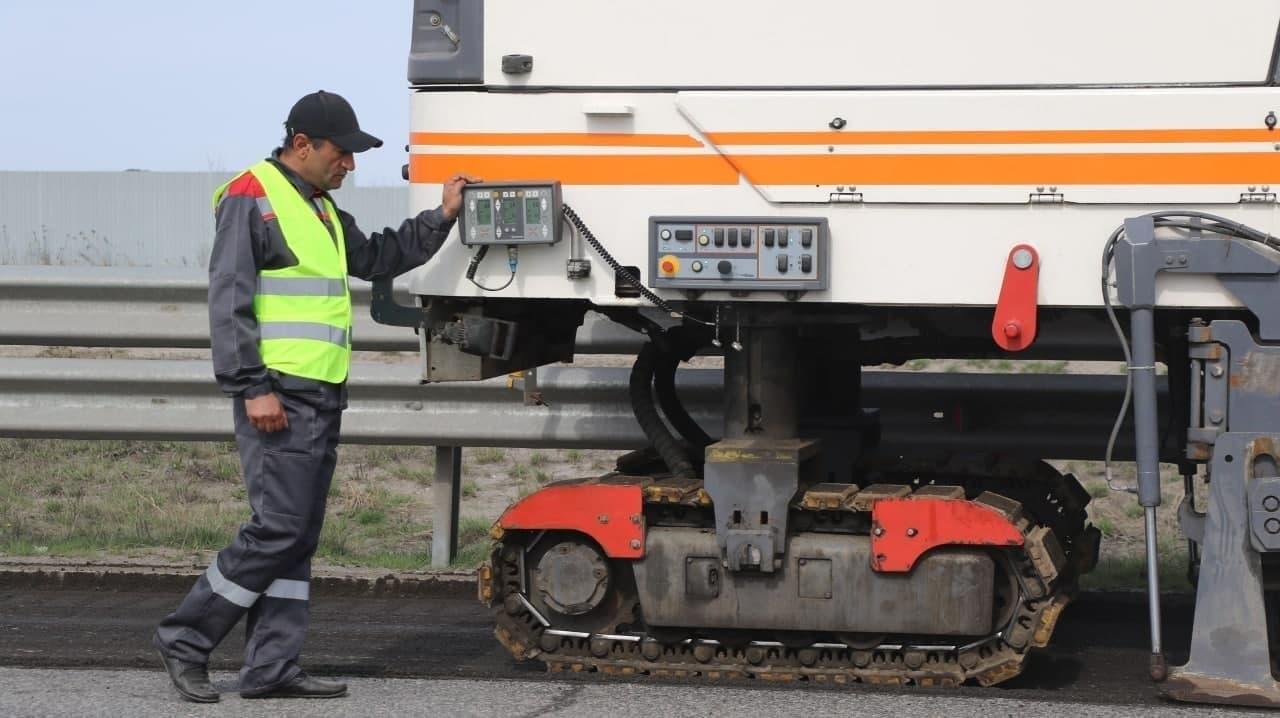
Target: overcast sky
[178,85]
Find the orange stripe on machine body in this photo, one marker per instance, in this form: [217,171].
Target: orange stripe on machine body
[1013,169]
[579,169]
[990,137]
[545,139]
[1190,168]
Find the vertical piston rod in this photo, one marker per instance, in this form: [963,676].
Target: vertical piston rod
[1143,372]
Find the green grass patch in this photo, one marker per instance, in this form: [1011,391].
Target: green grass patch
[1044,367]
[489,455]
[537,459]
[1130,572]
[472,529]
[917,364]
[470,489]
[370,517]
[474,543]
[573,456]
[418,474]
[1098,489]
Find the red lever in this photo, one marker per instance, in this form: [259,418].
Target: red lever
[1014,326]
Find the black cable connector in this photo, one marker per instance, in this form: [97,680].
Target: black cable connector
[621,271]
[476,259]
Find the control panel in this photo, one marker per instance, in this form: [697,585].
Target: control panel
[739,253]
[510,213]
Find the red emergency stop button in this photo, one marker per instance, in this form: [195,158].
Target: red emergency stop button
[669,265]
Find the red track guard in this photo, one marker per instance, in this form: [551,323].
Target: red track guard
[904,529]
[611,514]
[1014,326]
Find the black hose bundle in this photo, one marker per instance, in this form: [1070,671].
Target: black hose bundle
[642,403]
[680,346]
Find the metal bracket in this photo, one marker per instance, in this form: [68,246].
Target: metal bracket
[1254,197]
[385,310]
[1046,198]
[752,484]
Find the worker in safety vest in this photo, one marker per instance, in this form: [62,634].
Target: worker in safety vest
[280,329]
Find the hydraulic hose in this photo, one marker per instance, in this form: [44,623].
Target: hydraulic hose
[641,390]
[664,385]
[680,346]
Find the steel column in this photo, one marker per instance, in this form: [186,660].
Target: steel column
[446,489]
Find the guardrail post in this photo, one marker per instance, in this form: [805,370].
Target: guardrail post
[446,489]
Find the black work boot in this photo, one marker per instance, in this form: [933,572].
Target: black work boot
[300,686]
[191,680]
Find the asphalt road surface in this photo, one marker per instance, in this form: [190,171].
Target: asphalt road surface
[80,652]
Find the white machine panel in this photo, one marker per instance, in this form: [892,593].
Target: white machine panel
[925,188]
[838,43]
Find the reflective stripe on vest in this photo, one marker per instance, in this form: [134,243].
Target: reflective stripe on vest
[303,311]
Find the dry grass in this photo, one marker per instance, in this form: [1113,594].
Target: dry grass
[142,500]
[184,500]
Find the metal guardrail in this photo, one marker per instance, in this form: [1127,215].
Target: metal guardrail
[178,400]
[145,307]
[167,308]
[1060,416]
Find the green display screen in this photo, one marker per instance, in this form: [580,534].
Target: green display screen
[532,211]
[484,211]
[510,212]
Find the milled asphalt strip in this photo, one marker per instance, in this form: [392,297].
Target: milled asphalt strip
[178,578]
[32,693]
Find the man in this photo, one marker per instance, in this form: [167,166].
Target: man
[280,323]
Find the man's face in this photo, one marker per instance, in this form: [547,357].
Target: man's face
[325,164]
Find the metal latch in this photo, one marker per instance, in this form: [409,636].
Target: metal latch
[841,197]
[1256,197]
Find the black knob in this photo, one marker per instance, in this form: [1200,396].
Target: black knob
[725,266]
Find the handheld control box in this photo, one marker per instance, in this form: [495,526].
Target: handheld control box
[510,213]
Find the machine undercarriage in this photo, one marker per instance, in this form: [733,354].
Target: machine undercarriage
[961,614]
[792,548]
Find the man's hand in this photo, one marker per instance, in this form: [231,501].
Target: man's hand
[265,413]
[451,199]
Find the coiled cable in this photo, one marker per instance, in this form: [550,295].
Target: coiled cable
[621,271]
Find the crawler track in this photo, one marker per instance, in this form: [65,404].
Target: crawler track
[1047,506]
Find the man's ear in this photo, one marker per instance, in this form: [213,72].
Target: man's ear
[301,142]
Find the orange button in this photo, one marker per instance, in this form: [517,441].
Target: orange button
[669,264]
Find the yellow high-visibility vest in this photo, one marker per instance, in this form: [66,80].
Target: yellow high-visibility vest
[303,311]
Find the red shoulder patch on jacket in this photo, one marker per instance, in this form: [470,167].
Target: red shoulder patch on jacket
[246,185]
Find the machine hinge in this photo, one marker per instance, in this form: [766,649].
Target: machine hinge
[1046,198]
[1257,197]
[845,198]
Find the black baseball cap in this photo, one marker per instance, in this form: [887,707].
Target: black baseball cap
[326,115]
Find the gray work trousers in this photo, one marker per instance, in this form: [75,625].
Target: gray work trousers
[265,573]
